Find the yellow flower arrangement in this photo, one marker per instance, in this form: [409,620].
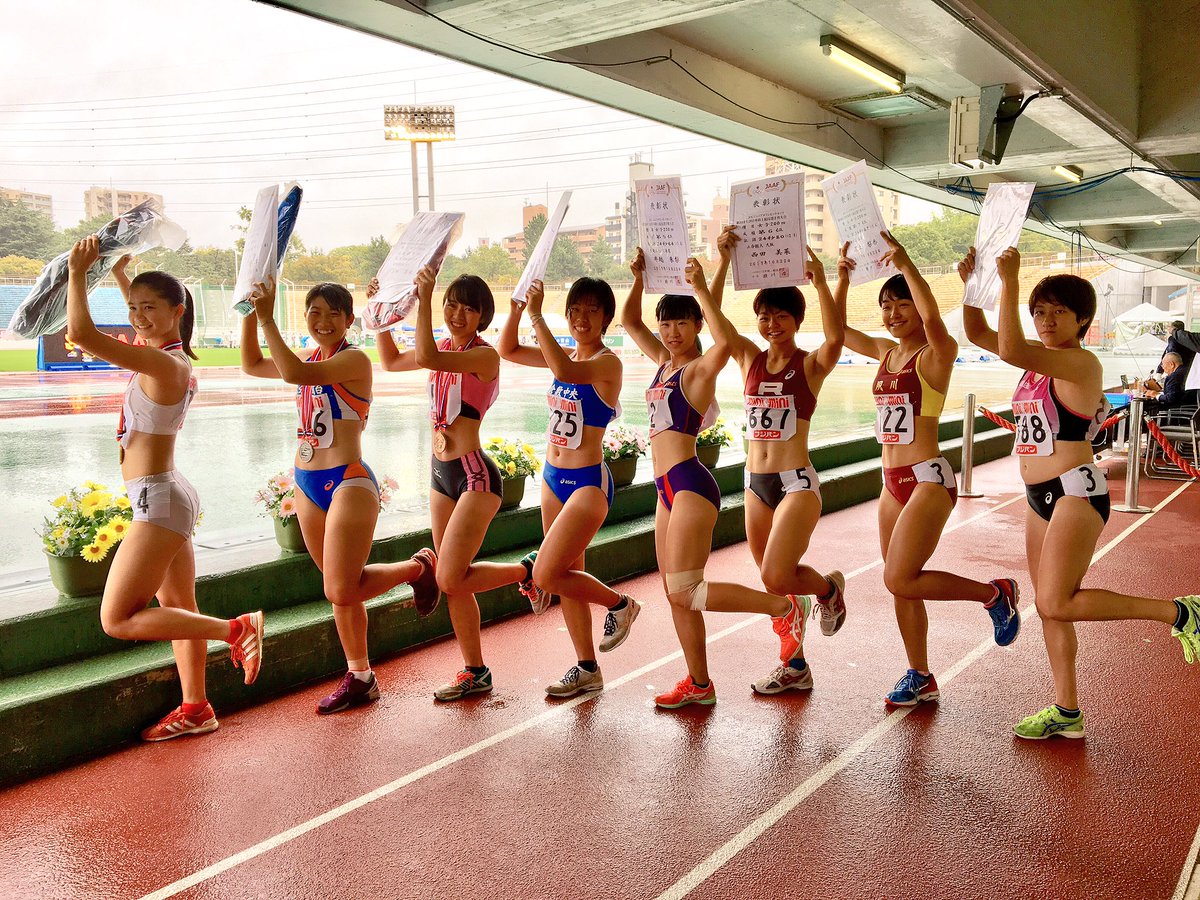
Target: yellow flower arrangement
[88,521]
[717,435]
[513,459]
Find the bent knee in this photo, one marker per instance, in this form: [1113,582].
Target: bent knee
[1054,607]
[680,599]
[547,577]
[899,583]
[342,593]
[777,580]
[449,582]
[116,627]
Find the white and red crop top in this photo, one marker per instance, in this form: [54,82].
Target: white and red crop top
[1042,418]
[774,401]
[140,413]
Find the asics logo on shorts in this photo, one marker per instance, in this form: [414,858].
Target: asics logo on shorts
[1049,499]
[329,485]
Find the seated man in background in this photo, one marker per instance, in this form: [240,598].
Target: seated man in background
[1172,394]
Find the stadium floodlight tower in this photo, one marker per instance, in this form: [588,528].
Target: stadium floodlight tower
[419,125]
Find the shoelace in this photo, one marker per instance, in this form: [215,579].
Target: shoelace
[911,681]
[464,677]
[572,676]
[610,624]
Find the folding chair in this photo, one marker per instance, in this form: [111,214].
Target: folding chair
[1180,426]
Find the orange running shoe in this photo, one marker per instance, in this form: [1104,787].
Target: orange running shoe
[247,652]
[178,723]
[790,627]
[686,692]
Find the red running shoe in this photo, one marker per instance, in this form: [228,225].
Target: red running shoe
[246,652]
[790,627]
[177,723]
[426,594]
[686,692]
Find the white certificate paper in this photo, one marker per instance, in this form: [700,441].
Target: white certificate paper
[425,241]
[769,213]
[999,228]
[855,211]
[663,235]
[259,254]
[535,268]
[1193,379]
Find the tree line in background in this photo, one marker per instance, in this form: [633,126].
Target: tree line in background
[28,239]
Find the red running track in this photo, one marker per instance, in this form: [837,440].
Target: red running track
[827,795]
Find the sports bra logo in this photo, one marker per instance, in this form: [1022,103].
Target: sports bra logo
[771,387]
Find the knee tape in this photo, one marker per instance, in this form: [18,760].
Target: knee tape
[691,583]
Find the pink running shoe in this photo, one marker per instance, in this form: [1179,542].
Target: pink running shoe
[686,692]
[177,723]
[246,653]
[790,627]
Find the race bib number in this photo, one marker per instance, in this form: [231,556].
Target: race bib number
[895,422]
[320,421]
[1033,436]
[565,428]
[1085,481]
[935,471]
[658,402]
[770,418]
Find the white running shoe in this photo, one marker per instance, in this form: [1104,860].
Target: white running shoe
[785,678]
[618,623]
[578,680]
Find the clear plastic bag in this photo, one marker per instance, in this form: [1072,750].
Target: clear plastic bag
[425,241]
[257,260]
[44,309]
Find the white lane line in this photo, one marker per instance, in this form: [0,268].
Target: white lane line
[1189,879]
[296,831]
[739,842]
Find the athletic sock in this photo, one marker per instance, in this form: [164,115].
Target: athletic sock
[924,674]
[194,709]
[1181,617]
[798,663]
[363,676]
[476,670]
[988,604]
[703,687]
[1067,713]
[828,595]
[620,605]
[588,665]
[236,627]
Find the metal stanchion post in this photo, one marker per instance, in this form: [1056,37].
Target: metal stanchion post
[968,448]
[1133,469]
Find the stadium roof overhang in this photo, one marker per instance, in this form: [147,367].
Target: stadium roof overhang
[1120,86]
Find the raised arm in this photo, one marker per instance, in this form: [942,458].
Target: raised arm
[391,357]
[481,361]
[975,325]
[1067,365]
[631,315]
[509,346]
[122,279]
[253,361]
[833,316]
[606,367]
[82,331]
[340,367]
[858,341]
[725,243]
[724,335]
[942,345]
[741,348]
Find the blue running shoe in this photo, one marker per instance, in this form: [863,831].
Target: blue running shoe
[912,688]
[1006,618]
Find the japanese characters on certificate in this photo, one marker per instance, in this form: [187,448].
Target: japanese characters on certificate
[535,268]
[259,254]
[769,214]
[855,211]
[425,241]
[1000,223]
[663,234]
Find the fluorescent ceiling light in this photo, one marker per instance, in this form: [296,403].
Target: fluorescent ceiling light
[863,63]
[1070,173]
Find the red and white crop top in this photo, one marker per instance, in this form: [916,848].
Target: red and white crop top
[454,394]
[774,401]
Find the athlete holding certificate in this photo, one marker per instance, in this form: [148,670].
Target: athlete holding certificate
[919,487]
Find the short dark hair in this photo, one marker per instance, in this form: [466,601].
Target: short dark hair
[175,293]
[895,288]
[336,297]
[1179,325]
[1071,291]
[785,299]
[596,289]
[472,291]
[677,306]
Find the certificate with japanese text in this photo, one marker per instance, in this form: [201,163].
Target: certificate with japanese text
[999,228]
[855,211]
[535,267]
[663,234]
[769,214]
[425,241]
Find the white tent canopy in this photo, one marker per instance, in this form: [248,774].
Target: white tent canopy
[1142,345]
[1144,313]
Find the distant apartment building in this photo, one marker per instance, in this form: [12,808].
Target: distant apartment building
[584,237]
[41,202]
[98,201]
[822,232]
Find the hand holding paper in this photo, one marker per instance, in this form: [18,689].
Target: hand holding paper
[999,228]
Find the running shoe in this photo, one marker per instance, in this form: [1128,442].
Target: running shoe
[465,682]
[426,594]
[686,692]
[578,680]
[1189,635]
[832,611]
[790,627]
[246,653]
[617,624]
[785,678]
[538,599]
[351,691]
[911,689]
[1006,618]
[1048,723]
[177,723]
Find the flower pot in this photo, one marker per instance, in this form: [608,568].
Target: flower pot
[287,533]
[74,576]
[709,455]
[622,470]
[514,491]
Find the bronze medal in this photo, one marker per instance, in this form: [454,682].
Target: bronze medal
[439,442]
[305,451]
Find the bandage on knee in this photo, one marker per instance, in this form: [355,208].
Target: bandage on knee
[691,584]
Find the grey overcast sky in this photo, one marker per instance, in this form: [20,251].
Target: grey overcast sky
[206,101]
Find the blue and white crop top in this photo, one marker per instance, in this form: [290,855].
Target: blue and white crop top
[140,413]
[574,407]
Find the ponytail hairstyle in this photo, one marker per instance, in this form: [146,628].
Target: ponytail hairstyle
[176,294]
